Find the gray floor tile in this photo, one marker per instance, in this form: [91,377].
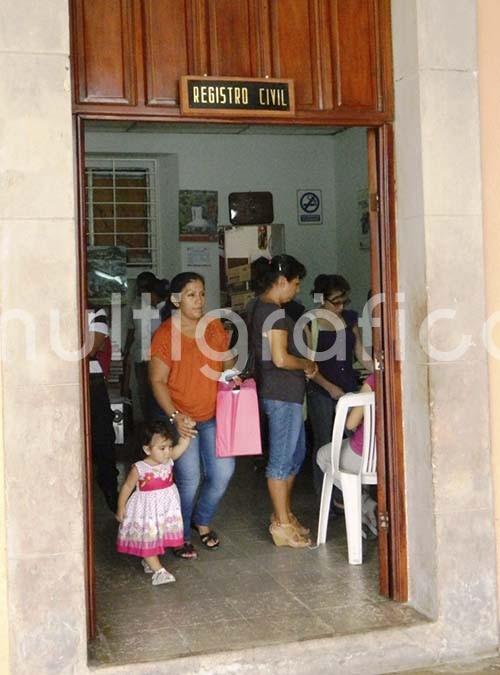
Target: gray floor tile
[267,604]
[289,627]
[356,618]
[246,593]
[148,645]
[219,636]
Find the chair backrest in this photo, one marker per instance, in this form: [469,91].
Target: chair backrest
[344,405]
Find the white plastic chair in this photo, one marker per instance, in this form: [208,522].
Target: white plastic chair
[350,483]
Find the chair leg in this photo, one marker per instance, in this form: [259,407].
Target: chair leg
[351,488]
[324,509]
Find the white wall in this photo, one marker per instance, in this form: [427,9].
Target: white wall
[281,164]
[351,175]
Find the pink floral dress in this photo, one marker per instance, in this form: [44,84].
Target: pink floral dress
[153,520]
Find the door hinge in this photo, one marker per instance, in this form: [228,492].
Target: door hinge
[374,202]
[378,361]
[383,520]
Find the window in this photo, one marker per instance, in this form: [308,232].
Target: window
[121,207]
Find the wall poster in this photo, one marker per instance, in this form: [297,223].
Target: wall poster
[198,215]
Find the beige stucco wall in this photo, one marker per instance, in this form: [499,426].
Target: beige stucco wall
[440,251]
[41,396]
[489,67]
[4,623]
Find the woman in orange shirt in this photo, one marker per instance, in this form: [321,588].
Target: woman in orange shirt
[183,375]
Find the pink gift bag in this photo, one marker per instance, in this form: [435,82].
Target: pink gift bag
[238,424]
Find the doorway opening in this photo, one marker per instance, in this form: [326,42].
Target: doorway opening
[248,592]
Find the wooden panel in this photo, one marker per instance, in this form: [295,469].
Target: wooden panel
[233,33]
[132,52]
[166,40]
[103,38]
[295,39]
[355,47]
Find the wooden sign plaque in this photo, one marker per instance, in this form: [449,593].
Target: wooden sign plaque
[231,96]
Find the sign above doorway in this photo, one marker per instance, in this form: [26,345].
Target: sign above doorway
[230,96]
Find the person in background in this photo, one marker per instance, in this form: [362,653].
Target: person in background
[101,416]
[142,283]
[336,375]
[152,294]
[281,375]
[351,455]
[187,396]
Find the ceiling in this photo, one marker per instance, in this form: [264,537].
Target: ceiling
[127,126]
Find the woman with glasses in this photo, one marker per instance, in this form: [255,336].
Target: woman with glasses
[336,341]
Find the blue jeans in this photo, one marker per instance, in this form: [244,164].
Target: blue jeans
[217,472]
[321,413]
[287,440]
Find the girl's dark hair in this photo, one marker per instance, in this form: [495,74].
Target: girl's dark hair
[145,282]
[156,427]
[177,285]
[162,288]
[326,284]
[180,281]
[265,271]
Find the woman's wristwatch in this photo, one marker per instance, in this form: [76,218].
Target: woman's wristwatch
[173,416]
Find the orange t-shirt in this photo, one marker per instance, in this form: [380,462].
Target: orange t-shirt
[192,392]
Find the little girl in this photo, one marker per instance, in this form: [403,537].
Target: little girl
[151,520]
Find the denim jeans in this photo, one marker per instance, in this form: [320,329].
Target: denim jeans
[321,412]
[199,464]
[287,441]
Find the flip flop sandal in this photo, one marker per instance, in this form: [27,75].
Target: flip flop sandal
[186,552]
[207,537]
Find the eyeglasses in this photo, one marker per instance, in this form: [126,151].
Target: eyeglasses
[337,302]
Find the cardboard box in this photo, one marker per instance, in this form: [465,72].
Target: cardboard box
[238,274]
[240,300]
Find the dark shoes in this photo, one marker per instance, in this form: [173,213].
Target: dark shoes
[208,539]
[187,552]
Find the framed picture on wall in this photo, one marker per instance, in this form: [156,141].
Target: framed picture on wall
[363,219]
[198,215]
[106,273]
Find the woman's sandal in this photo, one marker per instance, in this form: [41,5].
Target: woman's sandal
[207,537]
[186,552]
[287,535]
[301,529]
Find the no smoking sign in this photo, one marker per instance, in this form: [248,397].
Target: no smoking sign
[309,207]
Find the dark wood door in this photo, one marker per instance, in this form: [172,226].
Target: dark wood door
[170,49]
[393,580]
[295,49]
[88,483]
[103,51]
[133,52]
[355,54]
[237,42]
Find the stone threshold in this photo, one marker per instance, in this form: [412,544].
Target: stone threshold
[384,650]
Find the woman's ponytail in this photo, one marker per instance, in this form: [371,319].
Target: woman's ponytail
[266,271]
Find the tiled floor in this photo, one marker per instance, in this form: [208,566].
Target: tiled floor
[246,593]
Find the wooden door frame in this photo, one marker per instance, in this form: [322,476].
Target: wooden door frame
[389,423]
[391,492]
[88,487]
